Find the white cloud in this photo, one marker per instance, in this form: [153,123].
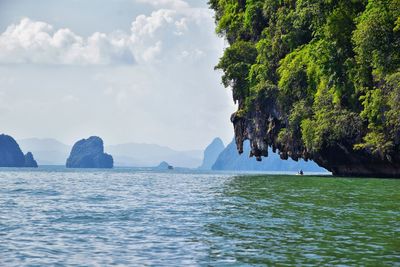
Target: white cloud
[148,25]
[165,34]
[181,26]
[37,42]
[151,53]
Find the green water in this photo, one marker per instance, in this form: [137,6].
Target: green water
[130,217]
[288,220]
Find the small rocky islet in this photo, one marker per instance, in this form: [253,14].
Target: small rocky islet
[164,166]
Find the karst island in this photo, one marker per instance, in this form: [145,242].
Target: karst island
[317,80]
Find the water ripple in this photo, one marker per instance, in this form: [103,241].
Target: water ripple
[131,217]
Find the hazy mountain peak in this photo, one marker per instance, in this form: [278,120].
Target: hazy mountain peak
[211,153]
[47,151]
[43,143]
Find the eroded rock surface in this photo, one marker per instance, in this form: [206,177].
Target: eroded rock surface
[30,162]
[89,153]
[12,156]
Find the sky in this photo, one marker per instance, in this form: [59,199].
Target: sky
[126,70]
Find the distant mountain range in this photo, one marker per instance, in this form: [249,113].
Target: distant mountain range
[52,152]
[149,155]
[216,156]
[46,151]
[229,159]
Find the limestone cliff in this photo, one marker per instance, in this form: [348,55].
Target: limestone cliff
[12,156]
[229,159]
[30,162]
[263,125]
[89,153]
[315,80]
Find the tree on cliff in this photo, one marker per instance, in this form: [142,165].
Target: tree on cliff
[316,79]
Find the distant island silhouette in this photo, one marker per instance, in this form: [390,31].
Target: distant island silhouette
[89,153]
[11,154]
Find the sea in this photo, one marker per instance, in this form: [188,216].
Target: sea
[54,216]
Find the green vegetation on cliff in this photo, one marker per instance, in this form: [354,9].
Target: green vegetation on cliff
[331,70]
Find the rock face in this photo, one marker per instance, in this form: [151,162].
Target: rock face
[30,162]
[315,85]
[229,159]
[12,156]
[262,126]
[211,153]
[89,153]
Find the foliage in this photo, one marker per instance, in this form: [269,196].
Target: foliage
[331,67]
[236,63]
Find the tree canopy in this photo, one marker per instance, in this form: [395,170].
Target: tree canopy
[332,68]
